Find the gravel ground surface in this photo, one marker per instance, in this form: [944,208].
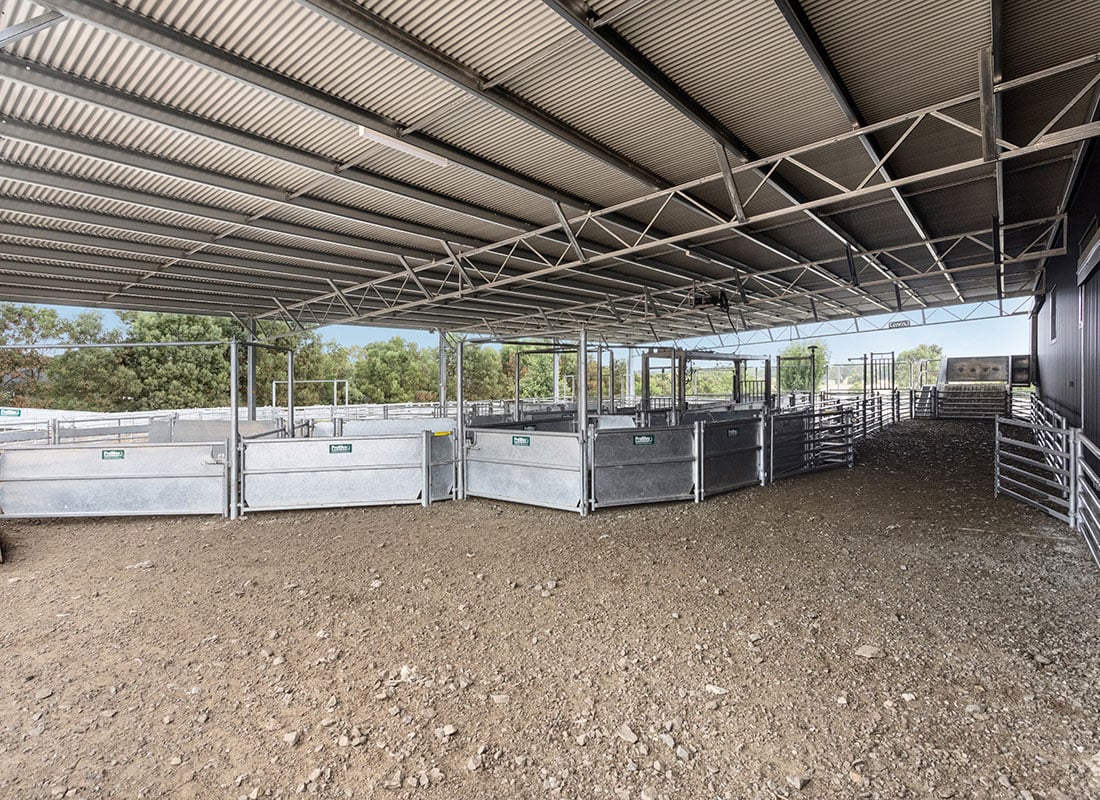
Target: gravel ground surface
[889,631]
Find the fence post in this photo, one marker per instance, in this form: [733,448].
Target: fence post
[1075,458]
[771,445]
[699,455]
[426,466]
[996,457]
[587,485]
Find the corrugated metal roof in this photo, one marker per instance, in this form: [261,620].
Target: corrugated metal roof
[896,57]
[742,62]
[303,194]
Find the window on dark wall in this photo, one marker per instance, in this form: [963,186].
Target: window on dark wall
[1052,304]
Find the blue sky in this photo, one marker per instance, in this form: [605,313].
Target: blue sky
[997,336]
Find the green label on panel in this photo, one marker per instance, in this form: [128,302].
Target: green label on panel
[645,438]
[521,441]
[11,412]
[112,455]
[339,448]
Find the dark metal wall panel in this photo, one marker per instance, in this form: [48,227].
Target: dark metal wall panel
[1072,355]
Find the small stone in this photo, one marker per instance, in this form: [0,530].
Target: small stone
[627,735]
[797,781]
[649,793]
[869,651]
[175,761]
[908,697]
[291,738]
[499,699]
[551,585]
[328,722]
[343,741]
[682,753]
[667,741]
[278,660]
[842,700]
[1043,660]
[142,565]
[710,688]
[43,693]
[109,714]
[474,762]
[974,708]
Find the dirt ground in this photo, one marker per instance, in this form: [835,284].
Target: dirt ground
[889,631]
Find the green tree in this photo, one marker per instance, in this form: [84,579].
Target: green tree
[23,372]
[394,371]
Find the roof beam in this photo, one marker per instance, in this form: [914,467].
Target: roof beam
[812,46]
[29,27]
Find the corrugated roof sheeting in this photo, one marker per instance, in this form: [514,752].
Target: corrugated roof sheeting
[897,57]
[637,124]
[741,61]
[308,48]
[493,37]
[496,135]
[1043,34]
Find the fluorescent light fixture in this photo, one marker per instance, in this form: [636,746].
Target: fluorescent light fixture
[403,147]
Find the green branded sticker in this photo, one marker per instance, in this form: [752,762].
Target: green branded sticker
[11,412]
[112,455]
[521,441]
[645,438]
[733,433]
[339,448]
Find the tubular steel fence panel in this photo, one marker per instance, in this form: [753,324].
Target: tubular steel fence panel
[1088,494]
[809,441]
[1035,464]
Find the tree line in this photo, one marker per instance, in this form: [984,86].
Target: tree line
[390,371]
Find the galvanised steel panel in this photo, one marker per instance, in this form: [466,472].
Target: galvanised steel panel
[732,455]
[643,465]
[323,473]
[538,468]
[112,480]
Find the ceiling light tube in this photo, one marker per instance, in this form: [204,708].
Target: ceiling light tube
[403,147]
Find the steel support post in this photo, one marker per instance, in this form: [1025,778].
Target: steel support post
[460,425]
[442,374]
[426,466]
[251,386]
[557,375]
[599,379]
[232,449]
[290,392]
[700,463]
[611,381]
[516,413]
[644,407]
[583,430]
[767,383]
[582,381]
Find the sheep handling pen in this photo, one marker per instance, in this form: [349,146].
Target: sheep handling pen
[336,648]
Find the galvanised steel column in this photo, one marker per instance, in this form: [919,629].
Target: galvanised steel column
[557,373]
[233,445]
[582,416]
[582,381]
[290,391]
[251,388]
[460,425]
[599,379]
[516,415]
[442,374]
[611,383]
